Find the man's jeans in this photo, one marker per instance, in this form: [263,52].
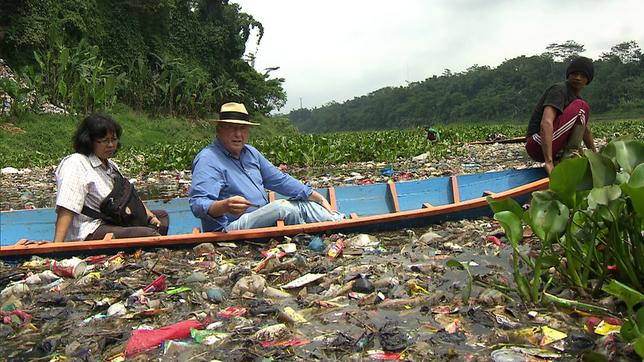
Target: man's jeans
[292,212]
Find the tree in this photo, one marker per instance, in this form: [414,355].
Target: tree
[564,52]
[626,52]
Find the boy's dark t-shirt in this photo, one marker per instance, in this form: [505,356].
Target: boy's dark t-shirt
[559,96]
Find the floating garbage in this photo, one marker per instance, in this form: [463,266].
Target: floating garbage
[385,296]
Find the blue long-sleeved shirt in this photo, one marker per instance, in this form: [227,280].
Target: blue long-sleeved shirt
[217,175]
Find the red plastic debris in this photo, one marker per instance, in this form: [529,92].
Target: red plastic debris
[336,249]
[160,284]
[231,312]
[6,316]
[142,340]
[494,240]
[384,356]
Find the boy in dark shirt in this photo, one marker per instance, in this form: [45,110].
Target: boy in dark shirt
[560,119]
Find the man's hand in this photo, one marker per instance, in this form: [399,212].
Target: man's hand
[317,197]
[237,205]
[549,166]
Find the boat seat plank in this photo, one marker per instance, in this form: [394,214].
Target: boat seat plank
[354,216]
[280,223]
[488,193]
[394,195]
[427,205]
[454,182]
[332,200]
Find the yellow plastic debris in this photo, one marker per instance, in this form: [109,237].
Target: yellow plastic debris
[605,329]
[417,289]
[551,335]
[294,315]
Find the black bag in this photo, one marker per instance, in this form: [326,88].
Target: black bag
[122,206]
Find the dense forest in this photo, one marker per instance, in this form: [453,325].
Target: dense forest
[508,92]
[174,57]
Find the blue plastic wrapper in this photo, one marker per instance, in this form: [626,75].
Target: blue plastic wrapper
[317,244]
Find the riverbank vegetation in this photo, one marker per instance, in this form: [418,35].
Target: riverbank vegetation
[170,143]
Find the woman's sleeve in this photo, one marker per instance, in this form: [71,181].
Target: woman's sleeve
[72,184]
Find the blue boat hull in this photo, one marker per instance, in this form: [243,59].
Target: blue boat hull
[375,207]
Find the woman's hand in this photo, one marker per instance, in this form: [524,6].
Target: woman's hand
[154,220]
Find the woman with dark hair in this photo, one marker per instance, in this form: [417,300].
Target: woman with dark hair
[86,178]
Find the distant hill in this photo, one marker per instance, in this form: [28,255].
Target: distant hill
[508,92]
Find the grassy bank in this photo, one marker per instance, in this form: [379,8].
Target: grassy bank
[164,143]
[43,139]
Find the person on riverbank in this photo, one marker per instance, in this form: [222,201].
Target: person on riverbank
[559,122]
[86,178]
[230,178]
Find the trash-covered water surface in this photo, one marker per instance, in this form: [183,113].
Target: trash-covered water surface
[386,296]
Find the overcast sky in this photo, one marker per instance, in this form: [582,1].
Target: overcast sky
[333,50]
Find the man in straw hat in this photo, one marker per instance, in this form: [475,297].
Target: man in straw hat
[229,179]
[560,120]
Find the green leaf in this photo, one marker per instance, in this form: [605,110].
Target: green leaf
[508,204]
[635,189]
[548,216]
[637,177]
[603,195]
[614,211]
[452,263]
[629,295]
[629,330]
[638,346]
[567,177]
[63,58]
[512,225]
[626,153]
[62,88]
[602,169]
[548,261]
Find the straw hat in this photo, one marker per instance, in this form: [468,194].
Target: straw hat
[235,113]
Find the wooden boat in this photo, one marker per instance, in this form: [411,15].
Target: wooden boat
[375,207]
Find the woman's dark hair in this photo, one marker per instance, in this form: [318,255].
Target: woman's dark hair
[95,126]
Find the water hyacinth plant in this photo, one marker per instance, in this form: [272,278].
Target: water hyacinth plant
[589,222]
